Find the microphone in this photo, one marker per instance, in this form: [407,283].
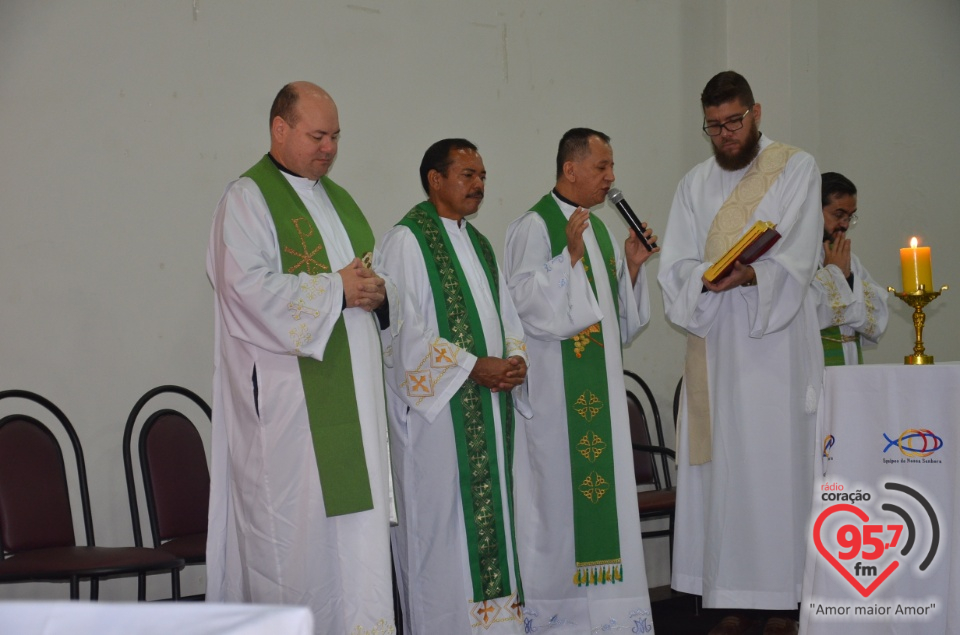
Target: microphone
[616,197]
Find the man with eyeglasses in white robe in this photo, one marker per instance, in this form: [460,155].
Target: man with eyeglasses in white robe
[753,372]
[851,306]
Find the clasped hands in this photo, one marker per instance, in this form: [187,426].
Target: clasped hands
[362,287]
[837,253]
[498,374]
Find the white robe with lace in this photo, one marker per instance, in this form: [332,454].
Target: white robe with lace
[742,519]
[861,309]
[555,302]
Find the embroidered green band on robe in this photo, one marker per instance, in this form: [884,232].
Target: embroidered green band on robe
[327,385]
[833,341]
[595,523]
[471,409]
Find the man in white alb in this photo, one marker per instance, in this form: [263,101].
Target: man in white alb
[753,366]
[299,501]
[453,358]
[580,299]
[850,305]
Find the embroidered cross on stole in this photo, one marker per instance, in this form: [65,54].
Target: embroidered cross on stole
[471,408]
[589,427]
[328,385]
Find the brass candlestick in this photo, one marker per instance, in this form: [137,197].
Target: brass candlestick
[918,299]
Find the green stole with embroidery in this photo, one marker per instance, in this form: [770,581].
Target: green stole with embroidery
[327,385]
[472,407]
[595,523]
[833,340]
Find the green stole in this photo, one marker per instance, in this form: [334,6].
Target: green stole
[833,340]
[595,523]
[472,407]
[327,385]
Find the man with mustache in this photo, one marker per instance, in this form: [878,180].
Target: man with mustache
[753,366]
[299,503]
[850,305]
[581,298]
[455,359]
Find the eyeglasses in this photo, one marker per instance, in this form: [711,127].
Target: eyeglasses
[851,219]
[714,129]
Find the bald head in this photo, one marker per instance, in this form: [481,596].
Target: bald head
[284,104]
[304,129]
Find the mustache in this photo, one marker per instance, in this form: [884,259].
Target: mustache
[839,232]
[478,194]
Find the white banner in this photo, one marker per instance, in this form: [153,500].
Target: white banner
[884,545]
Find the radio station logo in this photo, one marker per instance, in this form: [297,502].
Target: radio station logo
[866,545]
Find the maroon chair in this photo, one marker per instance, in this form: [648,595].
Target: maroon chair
[650,462]
[174,477]
[37,540]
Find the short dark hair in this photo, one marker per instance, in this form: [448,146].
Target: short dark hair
[724,87]
[574,144]
[437,157]
[285,105]
[832,183]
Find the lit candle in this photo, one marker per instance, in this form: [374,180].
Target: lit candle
[915,267]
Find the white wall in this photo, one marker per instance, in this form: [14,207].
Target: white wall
[121,124]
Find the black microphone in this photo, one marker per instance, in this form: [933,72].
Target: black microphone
[616,197]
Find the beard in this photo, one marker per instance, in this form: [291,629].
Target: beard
[748,152]
[830,237]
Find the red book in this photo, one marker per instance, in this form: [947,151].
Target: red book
[756,242]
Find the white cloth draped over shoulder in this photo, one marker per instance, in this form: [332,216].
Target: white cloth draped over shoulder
[555,302]
[741,523]
[861,309]
[270,540]
[430,549]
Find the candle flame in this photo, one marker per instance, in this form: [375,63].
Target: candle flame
[914,242]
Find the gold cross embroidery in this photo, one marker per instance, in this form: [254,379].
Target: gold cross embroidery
[306,258]
[516,607]
[418,384]
[300,337]
[594,487]
[301,307]
[441,357]
[485,611]
[588,405]
[591,447]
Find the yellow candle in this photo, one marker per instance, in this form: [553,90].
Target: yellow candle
[915,267]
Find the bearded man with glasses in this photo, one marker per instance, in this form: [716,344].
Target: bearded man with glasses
[851,307]
[753,367]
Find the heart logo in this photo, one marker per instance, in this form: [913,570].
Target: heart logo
[853,538]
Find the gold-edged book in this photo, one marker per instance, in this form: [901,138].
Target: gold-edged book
[751,246]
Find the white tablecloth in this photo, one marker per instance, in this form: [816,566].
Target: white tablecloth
[891,457]
[159,618]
